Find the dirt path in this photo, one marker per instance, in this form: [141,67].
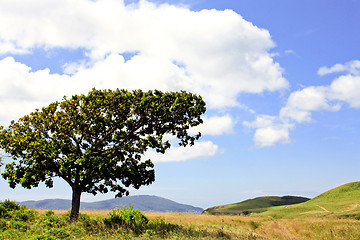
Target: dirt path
[322,208]
[352,208]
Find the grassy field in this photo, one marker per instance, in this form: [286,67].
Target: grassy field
[91,225]
[332,215]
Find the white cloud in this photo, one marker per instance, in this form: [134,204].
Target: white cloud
[222,54]
[199,150]
[268,136]
[352,67]
[269,130]
[300,104]
[347,89]
[215,126]
[290,52]
[216,54]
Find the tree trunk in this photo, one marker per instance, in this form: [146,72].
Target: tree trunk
[75,207]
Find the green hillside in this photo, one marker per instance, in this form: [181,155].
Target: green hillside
[341,201]
[255,205]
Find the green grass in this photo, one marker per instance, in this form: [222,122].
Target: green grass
[332,215]
[18,222]
[341,198]
[255,205]
[128,223]
[343,201]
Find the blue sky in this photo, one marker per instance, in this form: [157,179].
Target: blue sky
[281,80]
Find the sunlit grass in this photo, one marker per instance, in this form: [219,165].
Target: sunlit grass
[312,228]
[97,224]
[337,202]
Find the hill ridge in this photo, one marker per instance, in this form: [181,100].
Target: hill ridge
[258,204]
[342,200]
[141,202]
[341,192]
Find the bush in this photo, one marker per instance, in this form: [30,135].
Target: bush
[20,225]
[3,212]
[12,210]
[3,224]
[51,220]
[130,218]
[49,213]
[43,237]
[24,214]
[10,205]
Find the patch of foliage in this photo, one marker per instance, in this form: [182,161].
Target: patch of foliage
[130,218]
[18,222]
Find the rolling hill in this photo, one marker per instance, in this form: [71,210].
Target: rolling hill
[341,201]
[255,205]
[141,202]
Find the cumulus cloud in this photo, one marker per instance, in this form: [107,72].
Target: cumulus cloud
[199,150]
[352,67]
[216,54]
[300,104]
[219,51]
[217,125]
[269,130]
[347,89]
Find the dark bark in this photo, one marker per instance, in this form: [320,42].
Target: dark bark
[75,206]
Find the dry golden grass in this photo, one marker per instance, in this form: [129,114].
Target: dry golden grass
[90,213]
[241,227]
[250,227]
[311,228]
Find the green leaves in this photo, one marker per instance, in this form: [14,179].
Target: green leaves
[95,141]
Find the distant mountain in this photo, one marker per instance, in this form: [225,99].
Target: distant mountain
[255,205]
[141,202]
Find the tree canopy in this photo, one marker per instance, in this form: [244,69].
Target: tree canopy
[96,142]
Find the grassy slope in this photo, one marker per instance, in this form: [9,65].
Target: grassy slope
[259,204]
[341,201]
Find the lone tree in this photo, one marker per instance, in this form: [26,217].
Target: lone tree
[95,142]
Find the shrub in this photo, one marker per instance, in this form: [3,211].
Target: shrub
[10,205]
[3,212]
[24,214]
[130,218]
[20,225]
[3,224]
[49,213]
[43,237]
[50,220]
